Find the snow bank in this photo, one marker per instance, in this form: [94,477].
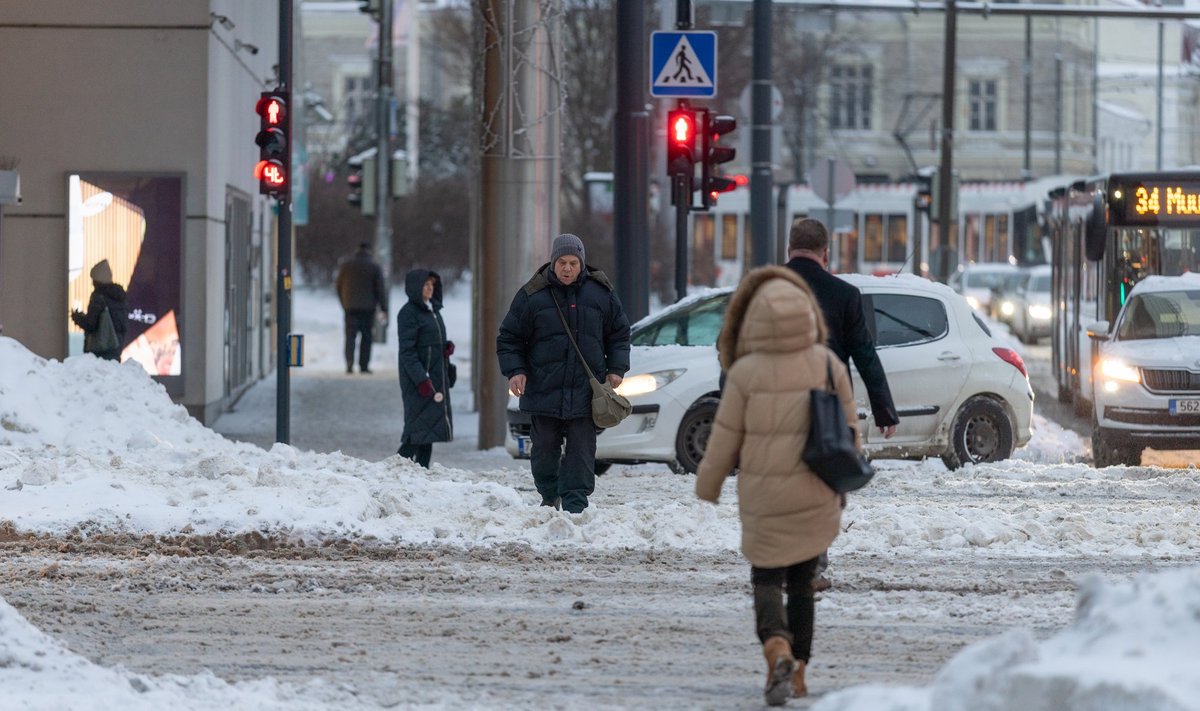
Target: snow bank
[1133,647]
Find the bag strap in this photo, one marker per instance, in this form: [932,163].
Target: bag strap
[569,335]
[829,374]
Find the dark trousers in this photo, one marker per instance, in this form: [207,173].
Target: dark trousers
[569,475]
[796,624]
[419,453]
[359,323]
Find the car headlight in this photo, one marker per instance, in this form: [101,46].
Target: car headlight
[1039,312]
[643,383]
[1114,369]
[974,302]
[1007,308]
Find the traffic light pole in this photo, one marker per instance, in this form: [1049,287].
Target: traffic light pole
[283,283]
[681,189]
[383,154]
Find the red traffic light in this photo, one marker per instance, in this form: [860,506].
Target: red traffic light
[683,128]
[274,162]
[272,108]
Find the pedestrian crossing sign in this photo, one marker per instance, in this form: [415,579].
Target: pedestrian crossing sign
[683,64]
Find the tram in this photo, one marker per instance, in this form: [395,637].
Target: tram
[876,228]
[1108,233]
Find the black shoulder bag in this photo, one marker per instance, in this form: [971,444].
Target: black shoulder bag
[830,451]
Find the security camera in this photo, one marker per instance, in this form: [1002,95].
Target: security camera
[252,49]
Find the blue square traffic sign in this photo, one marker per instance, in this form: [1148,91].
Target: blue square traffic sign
[683,64]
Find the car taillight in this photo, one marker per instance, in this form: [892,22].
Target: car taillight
[1008,355]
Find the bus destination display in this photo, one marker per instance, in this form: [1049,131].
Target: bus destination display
[1156,203]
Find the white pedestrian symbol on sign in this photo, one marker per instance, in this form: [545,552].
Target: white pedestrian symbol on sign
[684,68]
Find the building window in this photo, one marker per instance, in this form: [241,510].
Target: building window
[850,89]
[982,95]
[357,95]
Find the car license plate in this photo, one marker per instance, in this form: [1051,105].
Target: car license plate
[524,445]
[1185,407]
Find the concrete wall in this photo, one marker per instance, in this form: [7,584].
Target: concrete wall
[129,86]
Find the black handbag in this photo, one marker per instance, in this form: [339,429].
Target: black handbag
[831,452]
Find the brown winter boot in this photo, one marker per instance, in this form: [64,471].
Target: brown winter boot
[780,666]
[799,687]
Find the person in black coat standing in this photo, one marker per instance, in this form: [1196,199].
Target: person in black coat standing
[849,337]
[426,374]
[544,370]
[361,290]
[105,295]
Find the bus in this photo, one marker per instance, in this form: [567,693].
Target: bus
[1108,233]
[876,229]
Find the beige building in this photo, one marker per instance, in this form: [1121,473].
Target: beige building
[132,125]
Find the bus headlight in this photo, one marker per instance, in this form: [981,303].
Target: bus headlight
[1039,312]
[643,383]
[1114,369]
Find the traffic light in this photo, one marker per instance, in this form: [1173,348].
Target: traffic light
[272,170]
[371,7]
[681,144]
[712,183]
[354,181]
[923,200]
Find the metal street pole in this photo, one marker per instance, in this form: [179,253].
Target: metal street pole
[383,151]
[631,158]
[283,282]
[761,176]
[680,188]
[946,170]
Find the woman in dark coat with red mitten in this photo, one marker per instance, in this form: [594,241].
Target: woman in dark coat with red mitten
[426,374]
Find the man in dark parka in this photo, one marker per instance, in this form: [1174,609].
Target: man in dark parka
[849,337]
[108,295]
[361,290]
[543,368]
[426,375]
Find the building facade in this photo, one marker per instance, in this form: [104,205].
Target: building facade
[133,125]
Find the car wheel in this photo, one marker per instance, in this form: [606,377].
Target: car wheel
[982,432]
[1105,454]
[602,467]
[692,438]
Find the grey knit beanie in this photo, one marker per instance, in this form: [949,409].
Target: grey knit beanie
[565,246]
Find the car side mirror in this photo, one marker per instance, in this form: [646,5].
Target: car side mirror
[1098,330]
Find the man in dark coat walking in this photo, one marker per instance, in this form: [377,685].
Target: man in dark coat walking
[849,337]
[544,369]
[841,304]
[361,290]
[105,295]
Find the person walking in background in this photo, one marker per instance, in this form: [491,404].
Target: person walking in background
[772,347]
[362,292]
[849,337]
[544,369]
[107,318]
[426,374]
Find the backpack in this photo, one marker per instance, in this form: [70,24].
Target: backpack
[104,340]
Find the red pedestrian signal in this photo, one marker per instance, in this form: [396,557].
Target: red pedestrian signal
[273,168]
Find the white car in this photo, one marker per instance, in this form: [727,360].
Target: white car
[977,282]
[960,394]
[1146,385]
[1030,317]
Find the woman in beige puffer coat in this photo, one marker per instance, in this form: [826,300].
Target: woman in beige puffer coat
[772,348]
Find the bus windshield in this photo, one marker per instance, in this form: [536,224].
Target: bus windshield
[1143,252]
